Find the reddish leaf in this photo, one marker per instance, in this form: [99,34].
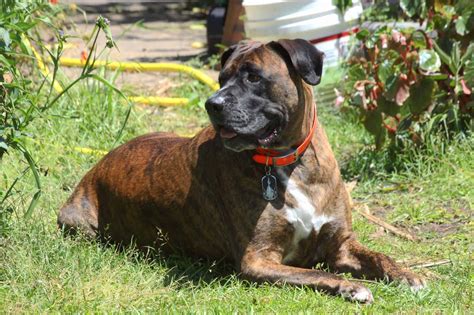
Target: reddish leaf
[375,92]
[403,91]
[465,88]
[396,35]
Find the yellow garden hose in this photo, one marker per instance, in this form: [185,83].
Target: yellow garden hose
[158,100]
[127,66]
[95,152]
[146,66]
[150,67]
[131,66]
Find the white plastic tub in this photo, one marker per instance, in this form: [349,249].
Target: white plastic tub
[317,21]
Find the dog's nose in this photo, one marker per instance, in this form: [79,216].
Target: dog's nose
[215,104]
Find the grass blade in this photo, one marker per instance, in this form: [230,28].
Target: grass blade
[34,170]
[113,87]
[110,85]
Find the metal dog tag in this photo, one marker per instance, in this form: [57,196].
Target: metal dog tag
[269,186]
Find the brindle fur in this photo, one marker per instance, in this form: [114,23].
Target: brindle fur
[207,199]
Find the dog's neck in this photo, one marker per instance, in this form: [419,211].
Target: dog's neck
[301,122]
[309,111]
[300,126]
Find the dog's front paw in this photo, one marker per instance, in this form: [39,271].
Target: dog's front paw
[415,282]
[356,293]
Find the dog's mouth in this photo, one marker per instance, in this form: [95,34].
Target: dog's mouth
[227,133]
[265,136]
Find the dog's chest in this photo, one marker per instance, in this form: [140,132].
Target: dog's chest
[301,211]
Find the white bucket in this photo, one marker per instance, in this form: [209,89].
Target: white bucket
[317,21]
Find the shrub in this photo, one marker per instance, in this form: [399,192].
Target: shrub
[410,84]
[19,95]
[25,92]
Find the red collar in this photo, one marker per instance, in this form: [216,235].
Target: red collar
[270,157]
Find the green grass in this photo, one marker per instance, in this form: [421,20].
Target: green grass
[42,271]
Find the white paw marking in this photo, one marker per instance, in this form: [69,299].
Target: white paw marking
[416,283]
[303,217]
[420,285]
[361,294]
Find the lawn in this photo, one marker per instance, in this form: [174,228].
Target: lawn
[42,271]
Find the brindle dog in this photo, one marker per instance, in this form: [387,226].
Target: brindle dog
[205,194]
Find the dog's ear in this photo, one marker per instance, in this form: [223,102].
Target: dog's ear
[227,54]
[306,59]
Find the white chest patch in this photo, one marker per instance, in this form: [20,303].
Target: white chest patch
[303,217]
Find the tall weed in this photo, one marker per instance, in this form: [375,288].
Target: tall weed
[28,89]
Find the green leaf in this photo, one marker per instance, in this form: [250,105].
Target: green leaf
[4,61]
[124,123]
[404,124]
[362,34]
[388,107]
[449,11]
[357,72]
[469,72]
[342,5]
[33,203]
[461,26]
[468,54]
[23,27]
[429,60]
[3,145]
[5,40]
[421,96]
[370,43]
[444,57]
[437,76]
[108,84]
[465,12]
[373,121]
[411,7]
[385,70]
[391,87]
[418,40]
[357,100]
[455,56]
[35,172]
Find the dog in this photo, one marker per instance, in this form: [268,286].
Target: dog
[259,187]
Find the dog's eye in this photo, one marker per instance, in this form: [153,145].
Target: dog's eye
[253,78]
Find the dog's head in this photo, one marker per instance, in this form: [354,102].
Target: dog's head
[261,92]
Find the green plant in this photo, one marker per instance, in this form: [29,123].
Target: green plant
[22,97]
[18,103]
[382,10]
[342,5]
[409,85]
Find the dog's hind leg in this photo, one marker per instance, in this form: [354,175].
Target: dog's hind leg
[362,262]
[79,213]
